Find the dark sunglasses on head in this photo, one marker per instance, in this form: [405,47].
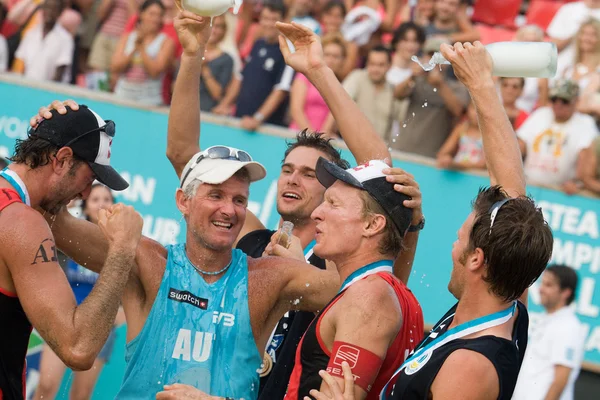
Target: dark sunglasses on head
[560,99]
[108,128]
[219,153]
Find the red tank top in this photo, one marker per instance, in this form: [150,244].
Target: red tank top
[15,330]
[312,355]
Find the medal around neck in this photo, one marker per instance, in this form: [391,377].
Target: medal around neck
[211,8]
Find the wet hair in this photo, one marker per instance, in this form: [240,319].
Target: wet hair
[334,4]
[402,31]
[317,141]
[36,152]
[391,243]
[567,279]
[517,248]
[148,3]
[381,49]
[95,185]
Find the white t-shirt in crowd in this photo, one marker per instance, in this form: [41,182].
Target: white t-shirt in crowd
[565,24]
[552,147]
[43,55]
[530,96]
[556,339]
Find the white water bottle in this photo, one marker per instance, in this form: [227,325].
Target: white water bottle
[513,59]
[211,8]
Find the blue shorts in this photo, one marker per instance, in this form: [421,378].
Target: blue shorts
[106,351]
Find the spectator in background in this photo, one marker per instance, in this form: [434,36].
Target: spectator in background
[566,23]
[332,19]
[114,15]
[300,13]
[420,13]
[307,107]
[510,90]
[589,167]
[217,70]
[46,51]
[82,281]
[435,102]
[388,10]
[448,23]
[552,138]
[584,66]
[464,147]
[142,57]
[375,97]
[407,42]
[535,88]
[3,44]
[263,95]
[556,342]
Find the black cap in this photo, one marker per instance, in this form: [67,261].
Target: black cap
[369,177]
[90,138]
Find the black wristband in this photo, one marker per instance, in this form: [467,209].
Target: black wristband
[418,227]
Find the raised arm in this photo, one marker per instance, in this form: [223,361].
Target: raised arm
[75,333]
[473,67]
[356,130]
[183,135]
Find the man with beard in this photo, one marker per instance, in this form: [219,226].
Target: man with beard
[57,163]
[476,349]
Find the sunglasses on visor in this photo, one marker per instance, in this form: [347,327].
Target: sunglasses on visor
[218,153]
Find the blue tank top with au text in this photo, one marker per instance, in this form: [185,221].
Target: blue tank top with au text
[197,334]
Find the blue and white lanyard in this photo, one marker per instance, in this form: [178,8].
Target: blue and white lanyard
[369,269]
[462,330]
[17,183]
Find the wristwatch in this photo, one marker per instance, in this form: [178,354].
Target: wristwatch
[418,227]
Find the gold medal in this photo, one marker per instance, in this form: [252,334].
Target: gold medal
[266,366]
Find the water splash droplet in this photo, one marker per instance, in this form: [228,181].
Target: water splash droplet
[435,89]
[404,125]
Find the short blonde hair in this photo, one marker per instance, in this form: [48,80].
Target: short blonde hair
[335,38]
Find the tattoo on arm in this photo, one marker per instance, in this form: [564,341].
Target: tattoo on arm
[46,252]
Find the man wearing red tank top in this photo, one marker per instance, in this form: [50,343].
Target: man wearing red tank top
[374,321]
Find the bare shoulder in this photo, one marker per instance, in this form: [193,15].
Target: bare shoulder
[20,223]
[373,294]
[466,365]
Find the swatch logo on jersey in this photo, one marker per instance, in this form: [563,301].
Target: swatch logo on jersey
[183,296]
[418,363]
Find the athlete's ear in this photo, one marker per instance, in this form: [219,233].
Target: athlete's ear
[63,160]
[476,260]
[183,202]
[373,225]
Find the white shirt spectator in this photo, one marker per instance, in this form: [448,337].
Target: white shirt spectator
[43,55]
[552,147]
[565,24]
[555,339]
[530,96]
[3,54]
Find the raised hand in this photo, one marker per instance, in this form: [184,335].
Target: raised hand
[294,250]
[193,31]
[121,225]
[472,64]
[44,112]
[308,54]
[405,183]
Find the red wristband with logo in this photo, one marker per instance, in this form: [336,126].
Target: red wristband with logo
[363,363]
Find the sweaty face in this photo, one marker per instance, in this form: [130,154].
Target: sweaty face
[378,65]
[339,222]
[550,293]
[298,190]
[72,184]
[459,257]
[99,198]
[217,213]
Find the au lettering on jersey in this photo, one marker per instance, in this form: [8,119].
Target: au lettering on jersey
[183,296]
[199,348]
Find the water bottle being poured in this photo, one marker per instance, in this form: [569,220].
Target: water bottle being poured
[512,59]
[210,8]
